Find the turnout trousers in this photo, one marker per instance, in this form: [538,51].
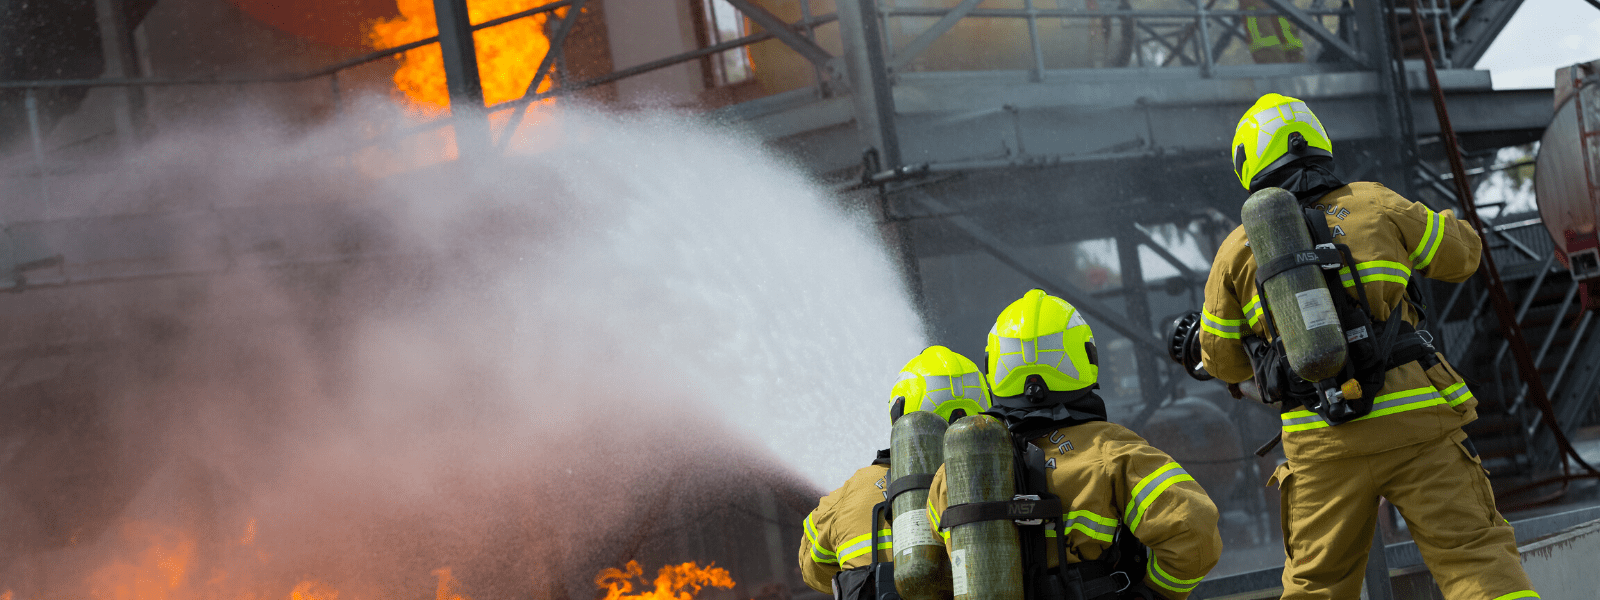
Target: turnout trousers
[1330,509]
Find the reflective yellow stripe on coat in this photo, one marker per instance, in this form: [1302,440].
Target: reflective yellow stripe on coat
[818,553]
[861,544]
[1149,488]
[1223,328]
[1387,404]
[1163,579]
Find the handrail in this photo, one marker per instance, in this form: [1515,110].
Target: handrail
[652,66]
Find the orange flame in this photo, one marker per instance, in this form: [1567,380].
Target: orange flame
[158,572]
[165,570]
[508,54]
[311,590]
[673,582]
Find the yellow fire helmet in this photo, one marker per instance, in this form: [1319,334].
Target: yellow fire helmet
[941,382]
[1041,335]
[1273,133]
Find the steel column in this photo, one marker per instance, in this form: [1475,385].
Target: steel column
[1378,586]
[461,76]
[869,79]
[1376,41]
[1138,312]
[116,46]
[36,136]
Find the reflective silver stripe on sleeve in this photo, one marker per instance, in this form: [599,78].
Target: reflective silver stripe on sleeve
[1163,579]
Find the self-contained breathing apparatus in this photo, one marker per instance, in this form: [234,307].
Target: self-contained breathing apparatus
[1373,347]
[1117,574]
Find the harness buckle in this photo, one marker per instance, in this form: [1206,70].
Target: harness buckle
[1034,497]
[1427,338]
[1127,581]
[1329,266]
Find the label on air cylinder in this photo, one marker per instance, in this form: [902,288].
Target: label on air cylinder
[1316,307]
[958,572]
[912,529]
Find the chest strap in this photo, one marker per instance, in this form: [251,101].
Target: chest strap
[1003,510]
[908,483]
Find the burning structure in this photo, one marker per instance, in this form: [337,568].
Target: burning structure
[256,359]
[261,296]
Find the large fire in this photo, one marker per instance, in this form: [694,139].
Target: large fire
[673,582]
[165,569]
[508,53]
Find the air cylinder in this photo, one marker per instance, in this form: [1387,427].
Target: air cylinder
[985,556]
[921,567]
[1302,307]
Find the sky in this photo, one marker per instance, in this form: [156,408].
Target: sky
[1544,35]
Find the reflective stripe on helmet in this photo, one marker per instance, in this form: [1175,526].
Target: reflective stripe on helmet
[1261,139]
[1150,488]
[941,381]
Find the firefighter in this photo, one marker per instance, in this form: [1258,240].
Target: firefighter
[1409,448]
[836,534]
[1043,369]
[1272,38]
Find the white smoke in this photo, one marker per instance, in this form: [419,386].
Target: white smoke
[518,352]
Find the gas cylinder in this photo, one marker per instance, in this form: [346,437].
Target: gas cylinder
[1302,307]
[985,556]
[921,567]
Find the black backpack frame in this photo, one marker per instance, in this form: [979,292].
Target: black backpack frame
[1373,347]
[1118,574]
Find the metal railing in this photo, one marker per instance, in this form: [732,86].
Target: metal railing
[1191,36]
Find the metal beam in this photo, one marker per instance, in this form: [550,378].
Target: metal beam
[1007,255]
[1315,28]
[785,33]
[1149,242]
[1477,31]
[926,38]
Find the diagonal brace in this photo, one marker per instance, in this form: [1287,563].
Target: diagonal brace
[785,33]
[1315,28]
[556,48]
[927,37]
[1007,255]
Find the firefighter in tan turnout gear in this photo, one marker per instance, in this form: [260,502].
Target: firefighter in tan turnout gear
[1042,369]
[837,535]
[1410,447]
